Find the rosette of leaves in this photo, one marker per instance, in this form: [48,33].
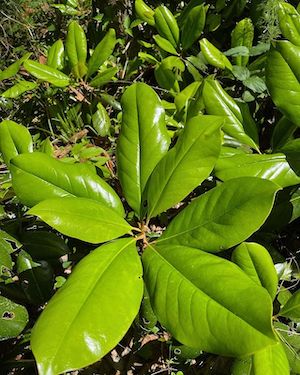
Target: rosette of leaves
[204,300]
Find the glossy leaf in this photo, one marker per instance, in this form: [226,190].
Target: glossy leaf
[46,73]
[224,216]
[218,102]
[271,361]
[76,48]
[292,307]
[144,12]
[207,302]
[37,279]
[164,44]
[282,78]
[214,56]
[104,77]
[242,35]
[15,139]
[273,167]
[166,25]
[283,131]
[289,22]
[81,218]
[56,55]
[168,71]
[143,141]
[76,330]
[257,263]
[18,89]
[191,160]
[193,25]
[102,51]
[37,177]
[13,318]
[13,69]
[101,121]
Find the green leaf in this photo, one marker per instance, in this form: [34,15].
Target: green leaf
[224,216]
[289,22]
[75,329]
[8,242]
[44,245]
[15,139]
[46,73]
[102,51]
[242,366]
[104,77]
[18,89]
[13,69]
[191,160]
[37,279]
[242,35]
[164,44]
[273,167]
[101,121]
[291,343]
[257,263]
[283,131]
[282,78]
[143,141]
[81,218]
[207,302]
[256,84]
[214,56]
[193,25]
[218,102]
[271,361]
[37,177]
[56,55]
[292,307]
[168,71]
[166,25]
[13,318]
[144,12]
[76,48]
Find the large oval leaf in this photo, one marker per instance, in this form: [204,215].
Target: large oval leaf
[217,102]
[76,48]
[166,24]
[81,218]
[272,167]
[37,177]
[207,302]
[191,160]
[13,318]
[46,73]
[93,310]
[15,139]
[102,51]
[224,216]
[143,140]
[257,263]
[282,78]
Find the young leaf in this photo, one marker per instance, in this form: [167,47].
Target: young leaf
[18,89]
[218,102]
[76,48]
[15,139]
[104,77]
[13,69]
[282,78]
[13,318]
[37,177]
[81,218]
[164,44]
[191,160]
[224,216]
[257,263]
[273,167]
[46,73]
[193,25]
[144,12]
[56,55]
[207,302]
[214,56]
[143,140]
[102,51]
[101,121]
[292,308]
[166,25]
[92,311]
[242,35]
